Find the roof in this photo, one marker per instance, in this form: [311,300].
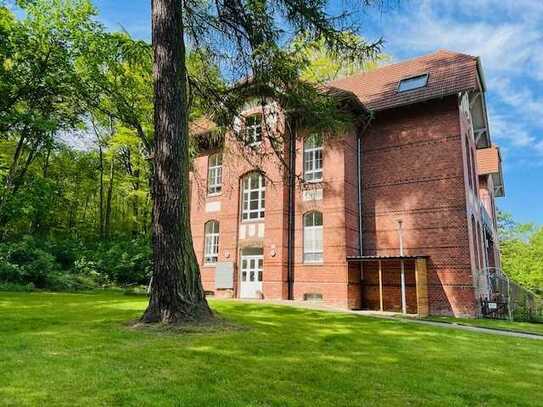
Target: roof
[489,162]
[448,73]
[374,258]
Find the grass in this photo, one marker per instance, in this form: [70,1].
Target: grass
[529,327]
[77,349]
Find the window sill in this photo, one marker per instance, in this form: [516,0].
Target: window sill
[313,183]
[313,263]
[214,194]
[210,265]
[249,221]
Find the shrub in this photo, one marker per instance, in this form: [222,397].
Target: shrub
[16,287]
[74,265]
[23,262]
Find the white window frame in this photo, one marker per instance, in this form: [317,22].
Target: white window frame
[313,158]
[211,242]
[413,83]
[214,174]
[253,187]
[253,132]
[313,235]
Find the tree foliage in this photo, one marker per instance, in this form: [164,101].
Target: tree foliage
[77,125]
[521,248]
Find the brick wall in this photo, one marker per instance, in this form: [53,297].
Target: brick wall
[338,205]
[413,170]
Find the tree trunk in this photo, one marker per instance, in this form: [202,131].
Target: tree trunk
[176,290]
[101,209]
[107,222]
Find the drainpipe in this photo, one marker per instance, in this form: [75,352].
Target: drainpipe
[359,189]
[359,135]
[291,202]
[359,179]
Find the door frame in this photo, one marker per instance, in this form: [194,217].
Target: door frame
[259,270]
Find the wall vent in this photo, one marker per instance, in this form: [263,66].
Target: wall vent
[312,297]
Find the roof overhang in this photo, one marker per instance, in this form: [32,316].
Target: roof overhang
[361,259]
[478,110]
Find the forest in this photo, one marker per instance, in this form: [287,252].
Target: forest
[75,115]
[76,129]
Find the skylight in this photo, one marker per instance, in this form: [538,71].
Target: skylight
[415,82]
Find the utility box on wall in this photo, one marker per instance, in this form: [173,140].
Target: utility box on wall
[224,275]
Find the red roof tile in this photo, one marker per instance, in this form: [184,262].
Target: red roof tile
[448,73]
[488,160]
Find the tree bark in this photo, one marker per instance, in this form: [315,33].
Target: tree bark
[101,209]
[176,294]
[107,222]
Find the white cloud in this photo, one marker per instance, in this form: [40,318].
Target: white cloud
[505,128]
[507,35]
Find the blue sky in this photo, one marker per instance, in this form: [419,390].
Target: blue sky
[506,34]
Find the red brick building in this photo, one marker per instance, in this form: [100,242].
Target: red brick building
[397,214]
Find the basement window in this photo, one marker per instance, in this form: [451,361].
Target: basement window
[415,82]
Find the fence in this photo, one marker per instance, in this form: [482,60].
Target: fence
[508,300]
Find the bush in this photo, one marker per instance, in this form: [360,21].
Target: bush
[16,287]
[23,262]
[125,262]
[74,265]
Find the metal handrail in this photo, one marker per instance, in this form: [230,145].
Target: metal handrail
[498,271]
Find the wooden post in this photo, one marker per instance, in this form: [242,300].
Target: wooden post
[402,276]
[421,278]
[380,287]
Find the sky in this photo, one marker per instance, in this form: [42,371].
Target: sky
[506,34]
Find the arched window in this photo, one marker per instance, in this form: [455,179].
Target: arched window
[211,242]
[313,237]
[313,158]
[253,196]
[214,173]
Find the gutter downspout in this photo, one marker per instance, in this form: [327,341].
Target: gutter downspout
[359,190]
[359,179]
[291,208]
[359,182]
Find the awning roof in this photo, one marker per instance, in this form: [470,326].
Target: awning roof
[489,162]
[359,259]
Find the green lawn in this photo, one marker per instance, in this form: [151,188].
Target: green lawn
[536,328]
[76,349]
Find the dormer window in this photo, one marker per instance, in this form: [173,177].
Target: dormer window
[253,130]
[412,83]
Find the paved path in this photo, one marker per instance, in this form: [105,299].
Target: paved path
[395,317]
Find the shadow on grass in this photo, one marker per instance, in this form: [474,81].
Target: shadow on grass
[217,325]
[258,354]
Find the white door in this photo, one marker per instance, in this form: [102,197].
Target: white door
[250,276]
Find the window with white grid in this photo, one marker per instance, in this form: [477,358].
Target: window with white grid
[313,158]
[211,242]
[214,173]
[253,130]
[253,196]
[313,240]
